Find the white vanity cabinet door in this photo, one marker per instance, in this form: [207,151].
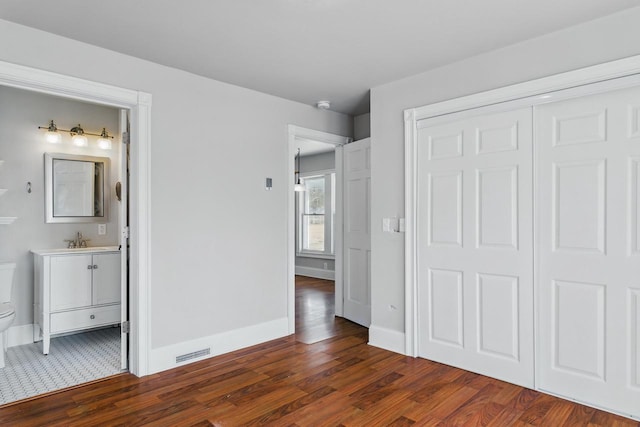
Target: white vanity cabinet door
[70,282]
[106,278]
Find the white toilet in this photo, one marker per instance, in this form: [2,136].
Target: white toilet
[7,311]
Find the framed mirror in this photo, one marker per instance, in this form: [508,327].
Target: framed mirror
[76,188]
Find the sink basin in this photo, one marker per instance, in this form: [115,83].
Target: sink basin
[75,250]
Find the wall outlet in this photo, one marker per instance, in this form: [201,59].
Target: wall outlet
[102,229]
[326,265]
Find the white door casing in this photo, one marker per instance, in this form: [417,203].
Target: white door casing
[589,248]
[474,231]
[124,236]
[357,231]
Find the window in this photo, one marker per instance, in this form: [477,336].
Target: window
[316,213]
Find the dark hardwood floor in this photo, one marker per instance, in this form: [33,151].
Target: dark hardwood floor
[307,380]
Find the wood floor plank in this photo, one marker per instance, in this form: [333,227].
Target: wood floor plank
[339,381]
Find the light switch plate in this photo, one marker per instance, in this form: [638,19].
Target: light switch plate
[102,229]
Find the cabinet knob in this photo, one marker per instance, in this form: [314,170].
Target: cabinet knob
[95,266]
[93,316]
[89,267]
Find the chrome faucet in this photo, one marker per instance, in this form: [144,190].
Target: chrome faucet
[78,242]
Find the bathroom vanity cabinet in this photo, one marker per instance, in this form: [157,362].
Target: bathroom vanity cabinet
[75,290]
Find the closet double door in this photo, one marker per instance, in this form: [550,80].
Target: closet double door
[486,229]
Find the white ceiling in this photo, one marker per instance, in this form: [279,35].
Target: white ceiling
[306,50]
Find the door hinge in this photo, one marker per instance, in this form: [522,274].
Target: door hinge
[125,138]
[126,327]
[125,232]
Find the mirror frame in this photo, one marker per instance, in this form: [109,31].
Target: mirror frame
[48,185]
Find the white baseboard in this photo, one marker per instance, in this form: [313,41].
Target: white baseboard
[164,358]
[387,339]
[316,273]
[20,335]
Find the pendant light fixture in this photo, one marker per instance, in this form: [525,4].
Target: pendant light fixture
[298,187]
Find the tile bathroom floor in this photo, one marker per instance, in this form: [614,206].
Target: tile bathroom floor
[72,360]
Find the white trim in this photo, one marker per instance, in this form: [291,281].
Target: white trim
[317,173]
[338,235]
[318,136]
[297,132]
[387,339]
[410,237]
[139,103]
[164,358]
[608,76]
[316,273]
[580,77]
[317,255]
[19,335]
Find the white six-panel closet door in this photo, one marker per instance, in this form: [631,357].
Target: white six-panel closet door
[589,249]
[474,225]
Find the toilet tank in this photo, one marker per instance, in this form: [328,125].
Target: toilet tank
[6,280]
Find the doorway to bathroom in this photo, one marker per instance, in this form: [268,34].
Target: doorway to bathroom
[77,310]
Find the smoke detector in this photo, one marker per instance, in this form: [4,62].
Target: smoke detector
[323,105]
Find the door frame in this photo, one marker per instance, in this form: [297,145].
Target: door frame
[609,76]
[297,132]
[139,105]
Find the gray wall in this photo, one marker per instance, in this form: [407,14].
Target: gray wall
[606,39]
[22,147]
[362,126]
[317,162]
[215,265]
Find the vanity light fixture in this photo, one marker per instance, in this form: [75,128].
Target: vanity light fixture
[298,187]
[78,136]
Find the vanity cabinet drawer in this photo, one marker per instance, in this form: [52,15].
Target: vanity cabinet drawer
[86,318]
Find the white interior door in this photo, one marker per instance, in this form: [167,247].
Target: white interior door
[589,249]
[124,236]
[357,232]
[474,231]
